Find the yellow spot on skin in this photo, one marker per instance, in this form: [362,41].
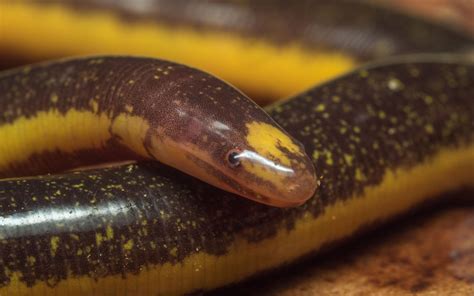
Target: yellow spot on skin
[394,84]
[428,99]
[329,160]
[429,128]
[31,260]
[174,252]
[27,26]
[348,159]
[128,245]
[109,232]
[54,243]
[359,175]
[320,108]
[315,155]
[98,239]
[54,98]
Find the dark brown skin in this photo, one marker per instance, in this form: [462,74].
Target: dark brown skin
[134,199]
[172,113]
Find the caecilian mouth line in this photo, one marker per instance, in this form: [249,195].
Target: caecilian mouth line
[227,178]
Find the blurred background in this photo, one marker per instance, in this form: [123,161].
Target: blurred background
[456,13]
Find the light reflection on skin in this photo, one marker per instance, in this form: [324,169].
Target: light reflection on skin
[61,218]
[253,157]
[220,126]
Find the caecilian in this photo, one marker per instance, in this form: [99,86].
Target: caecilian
[269,49]
[383,139]
[60,115]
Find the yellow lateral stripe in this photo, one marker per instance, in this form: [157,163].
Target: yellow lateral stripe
[399,191]
[132,131]
[46,31]
[68,133]
[51,131]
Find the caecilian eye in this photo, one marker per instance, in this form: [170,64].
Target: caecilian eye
[233,158]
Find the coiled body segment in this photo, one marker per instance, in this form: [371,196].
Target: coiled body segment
[269,49]
[384,138]
[71,113]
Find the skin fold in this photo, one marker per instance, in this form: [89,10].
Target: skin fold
[384,139]
[269,49]
[72,113]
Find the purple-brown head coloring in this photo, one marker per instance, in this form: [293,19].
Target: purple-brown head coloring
[210,130]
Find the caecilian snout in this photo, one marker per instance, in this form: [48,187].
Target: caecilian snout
[300,186]
[282,185]
[279,172]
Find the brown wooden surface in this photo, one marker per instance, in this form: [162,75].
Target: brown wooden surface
[426,253]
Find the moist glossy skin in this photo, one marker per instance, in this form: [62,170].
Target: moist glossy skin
[269,49]
[385,139]
[122,108]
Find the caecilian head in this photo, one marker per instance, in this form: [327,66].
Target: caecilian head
[257,161]
[215,133]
